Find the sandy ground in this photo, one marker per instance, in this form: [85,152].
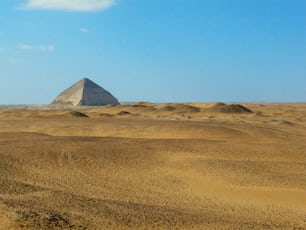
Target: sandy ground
[162,166]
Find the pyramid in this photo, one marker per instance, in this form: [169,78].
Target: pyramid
[85,93]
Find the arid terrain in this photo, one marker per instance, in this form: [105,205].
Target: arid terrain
[162,166]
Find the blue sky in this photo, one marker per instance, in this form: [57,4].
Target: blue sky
[154,50]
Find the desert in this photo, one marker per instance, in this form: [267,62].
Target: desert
[178,114]
[154,165]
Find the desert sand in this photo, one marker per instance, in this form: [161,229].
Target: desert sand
[163,166]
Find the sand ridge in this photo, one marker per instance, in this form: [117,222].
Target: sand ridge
[146,165]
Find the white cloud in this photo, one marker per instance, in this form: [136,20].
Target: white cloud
[45,48]
[13,60]
[42,48]
[49,48]
[71,5]
[84,30]
[25,47]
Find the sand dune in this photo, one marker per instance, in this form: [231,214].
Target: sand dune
[145,165]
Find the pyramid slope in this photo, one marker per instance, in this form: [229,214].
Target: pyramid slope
[85,93]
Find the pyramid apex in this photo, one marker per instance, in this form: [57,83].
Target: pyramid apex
[85,79]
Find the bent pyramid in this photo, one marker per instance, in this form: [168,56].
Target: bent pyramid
[85,93]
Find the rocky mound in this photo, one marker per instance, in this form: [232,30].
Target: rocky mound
[123,113]
[216,104]
[78,114]
[179,108]
[231,108]
[143,107]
